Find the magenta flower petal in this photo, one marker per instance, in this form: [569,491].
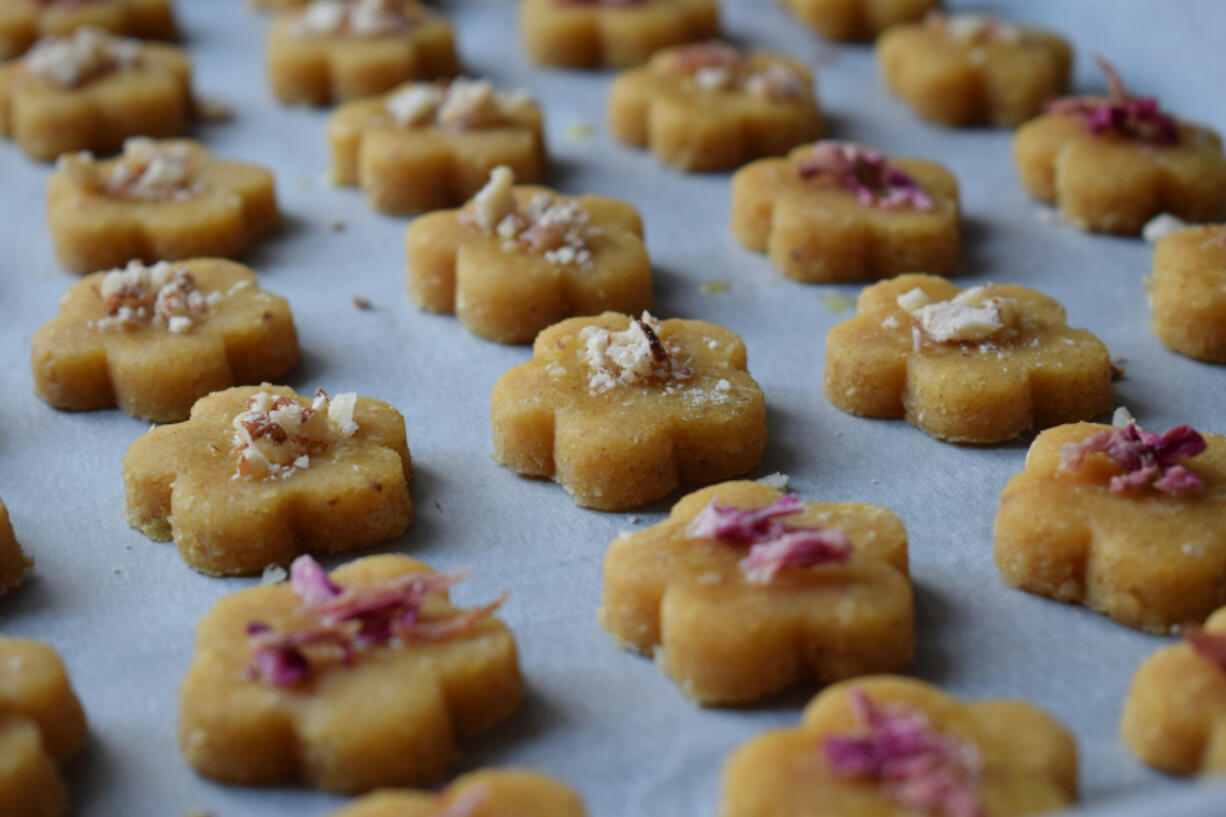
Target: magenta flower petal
[1208,645]
[311,582]
[1146,457]
[865,172]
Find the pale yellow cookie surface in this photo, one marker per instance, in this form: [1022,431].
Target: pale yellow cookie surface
[602,34]
[857,20]
[24,22]
[1188,292]
[725,640]
[486,793]
[13,562]
[154,340]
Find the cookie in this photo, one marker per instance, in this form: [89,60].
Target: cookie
[25,22]
[711,106]
[91,91]
[857,20]
[980,365]
[13,563]
[620,411]
[1175,714]
[515,260]
[153,340]
[426,146]
[259,475]
[360,679]
[1188,292]
[743,592]
[41,726]
[974,69]
[1124,521]
[338,50]
[159,200]
[838,211]
[895,747]
[612,33]
[1112,163]
[486,793]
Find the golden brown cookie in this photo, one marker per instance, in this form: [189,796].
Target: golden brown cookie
[153,340]
[13,563]
[612,33]
[980,365]
[429,145]
[974,69]
[1127,522]
[486,793]
[620,411]
[361,679]
[337,50]
[895,747]
[92,91]
[711,106]
[1175,714]
[858,20]
[24,22]
[41,726]
[1188,292]
[159,200]
[1111,164]
[515,260]
[259,475]
[743,592]
[838,211]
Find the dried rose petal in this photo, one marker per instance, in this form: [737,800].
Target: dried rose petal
[465,803]
[1148,458]
[311,583]
[865,172]
[1208,645]
[1139,118]
[920,768]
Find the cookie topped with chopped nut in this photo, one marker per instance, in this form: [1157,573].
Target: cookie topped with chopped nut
[24,22]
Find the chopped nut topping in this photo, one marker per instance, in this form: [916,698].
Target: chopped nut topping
[161,295]
[1146,457]
[974,29]
[148,170]
[1208,645]
[461,104]
[717,66]
[1160,226]
[276,436]
[357,18]
[89,53]
[632,356]
[1138,118]
[973,316]
[552,226]
[865,172]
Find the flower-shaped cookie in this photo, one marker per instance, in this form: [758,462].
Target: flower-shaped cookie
[1111,164]
[259,475]
[41,726]
[515,260]
[897,747]
[858,20]
[1175,714]
[1188,292]
[612,33]
[13,563]
[165,200]
[743,592]
[25,22]
[338,50]
[92,91]
[359,680]
[487,793]
[710,106]
[430,145]
[974,69]
[980,365]
[621,410]
[1129,523]
[837,211]
[153,340]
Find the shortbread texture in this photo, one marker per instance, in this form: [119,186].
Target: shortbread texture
[617,437]
[1148,559]
[970,69]
[485,793]
[960,380]
[709,106]
[427,146]
[25,22]
[323,57]
[1174,717]
[159,200]
[557,257]
[1029,760]
[1188,292]
[857,20]
[182,482]
[612,33]
[152,341]
[91,91]
[41,726]
[725,640]
[13,562]
[392,716]
[813,229]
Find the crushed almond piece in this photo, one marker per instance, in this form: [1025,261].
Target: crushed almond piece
[147,170]
[461,104]
[356,18]
[633,356]
[551,226]
[162,295]
[362,303]
[87,54]
[974,29]
[275,436]
[973,316]
[1160,226]
[717,66]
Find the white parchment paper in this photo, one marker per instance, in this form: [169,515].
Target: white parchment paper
[121,609]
